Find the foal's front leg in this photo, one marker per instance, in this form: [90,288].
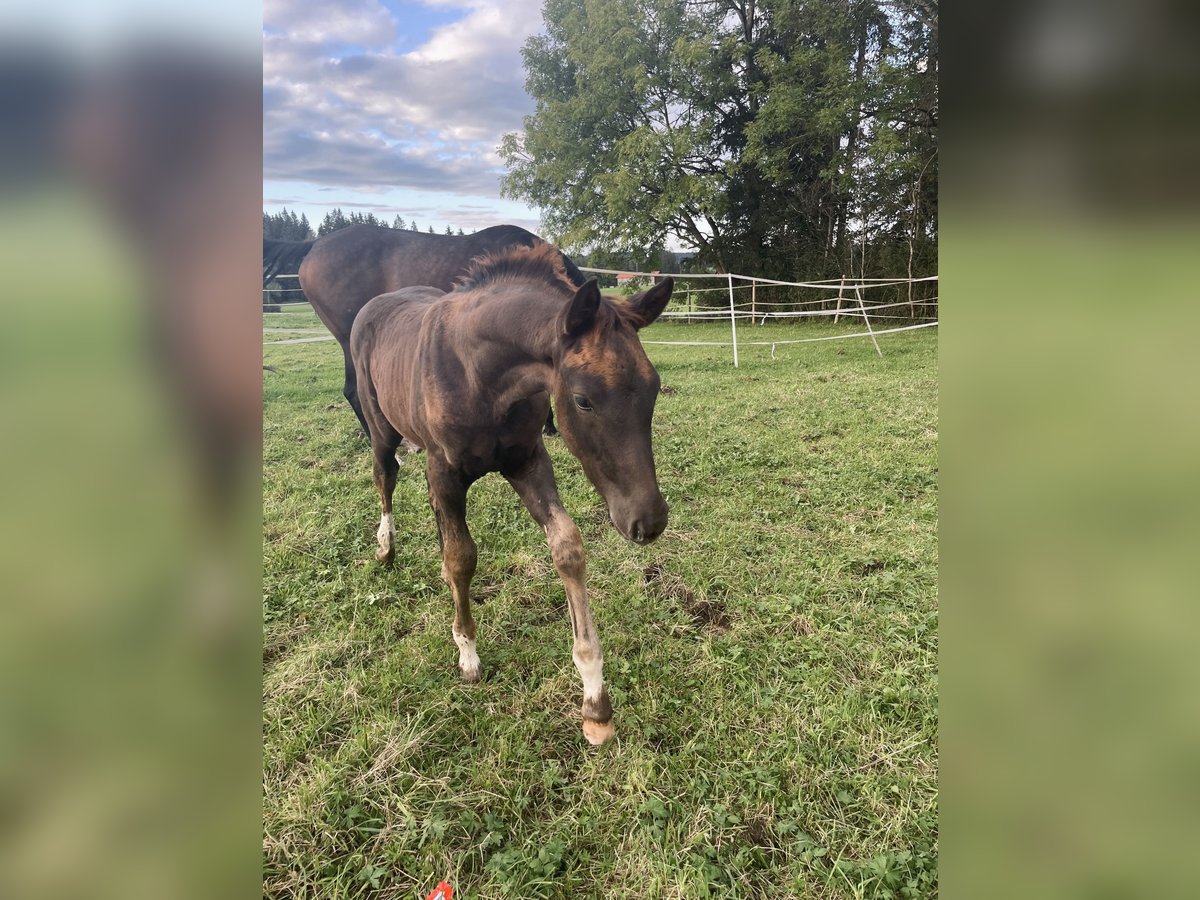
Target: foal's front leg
[448,497]
[538,491]
[385,469]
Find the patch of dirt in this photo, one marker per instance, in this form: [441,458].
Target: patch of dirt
[704,612]
[667,389]
[760,833]
[709,613]
[870,568]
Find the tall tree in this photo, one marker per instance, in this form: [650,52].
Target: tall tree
[285,225]
[783,137]
[334,220]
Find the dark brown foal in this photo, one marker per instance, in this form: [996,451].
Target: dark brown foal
[468,377]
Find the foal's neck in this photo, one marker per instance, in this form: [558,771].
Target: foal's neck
[525,319]
[520,323]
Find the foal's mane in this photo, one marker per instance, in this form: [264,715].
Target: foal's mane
[541,262]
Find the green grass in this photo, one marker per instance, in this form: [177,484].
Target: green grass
[772,659]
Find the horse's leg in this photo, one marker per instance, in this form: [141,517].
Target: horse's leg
[383,453]
[350,391]
[535,485]
[548,429]
[448,497]
[384,441]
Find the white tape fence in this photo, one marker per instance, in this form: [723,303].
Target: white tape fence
[760,311]
[750,309]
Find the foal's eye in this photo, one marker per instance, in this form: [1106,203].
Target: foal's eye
[583,403]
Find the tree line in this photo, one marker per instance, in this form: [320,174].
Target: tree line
[287,226]
[794,139]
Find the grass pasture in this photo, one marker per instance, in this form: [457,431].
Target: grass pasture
[772,659]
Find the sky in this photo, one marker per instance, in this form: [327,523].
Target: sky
[394,107]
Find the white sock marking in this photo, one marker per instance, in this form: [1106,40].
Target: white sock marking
[592,673]
[386,535]
[468,659]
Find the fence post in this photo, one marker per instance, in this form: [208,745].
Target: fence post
[733,321]
[753,299]
[838,312]
[863,309]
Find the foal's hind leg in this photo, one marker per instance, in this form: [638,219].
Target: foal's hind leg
[448,497]
[536,486]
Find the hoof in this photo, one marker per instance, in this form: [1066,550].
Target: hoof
[385,556]
[597,733]
[471,676]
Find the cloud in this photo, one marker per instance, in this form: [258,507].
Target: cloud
[363,162]
[366,115]
[363,22]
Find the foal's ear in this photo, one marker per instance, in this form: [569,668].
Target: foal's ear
[645,307]
[580,315]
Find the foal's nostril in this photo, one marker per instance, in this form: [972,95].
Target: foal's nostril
[644,532]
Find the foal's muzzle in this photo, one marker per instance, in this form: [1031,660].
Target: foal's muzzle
[647,527]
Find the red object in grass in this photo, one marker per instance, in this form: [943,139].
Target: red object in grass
[442,892]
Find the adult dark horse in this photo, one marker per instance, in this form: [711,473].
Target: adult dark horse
[345,269]
[468,376]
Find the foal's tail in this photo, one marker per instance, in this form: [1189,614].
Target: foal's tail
[283,257]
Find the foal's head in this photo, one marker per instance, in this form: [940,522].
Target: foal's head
[604,393]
